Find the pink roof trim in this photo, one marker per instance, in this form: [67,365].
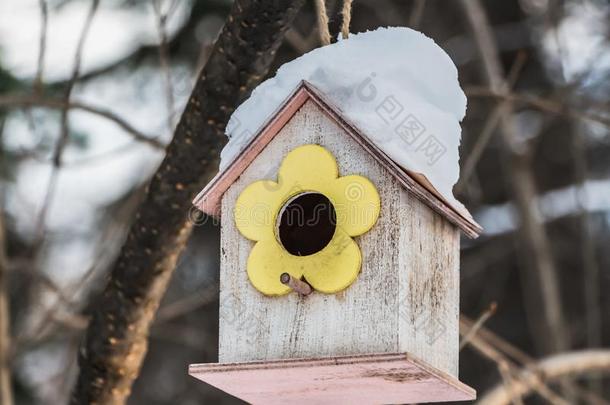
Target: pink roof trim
[208,200]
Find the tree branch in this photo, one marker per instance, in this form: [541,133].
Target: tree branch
[517,360]
[488,313]
[162,18]
[552,369]
[490,126]
[524,188]
[17,101]
[42,46]
[116,340]
[417,11]
[64,133]
[506,367]
[542,104]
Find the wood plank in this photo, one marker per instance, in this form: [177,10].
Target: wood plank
[369,379]
[429,280]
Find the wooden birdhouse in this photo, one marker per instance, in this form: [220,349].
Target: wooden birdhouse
[339,278]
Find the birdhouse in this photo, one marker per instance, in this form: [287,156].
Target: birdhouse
[339,274]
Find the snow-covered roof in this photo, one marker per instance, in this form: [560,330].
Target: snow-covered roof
[397,86]
[209,198]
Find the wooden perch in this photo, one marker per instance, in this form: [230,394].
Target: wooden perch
[297,285]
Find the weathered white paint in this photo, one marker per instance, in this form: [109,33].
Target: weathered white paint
[429,285]
[408,283]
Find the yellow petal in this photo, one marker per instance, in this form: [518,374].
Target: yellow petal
[308,166]
[336,266]
[266,263]
[256,209]
[356,202]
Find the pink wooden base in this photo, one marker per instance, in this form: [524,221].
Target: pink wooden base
[394,378]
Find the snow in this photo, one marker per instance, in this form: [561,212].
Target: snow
[397,86]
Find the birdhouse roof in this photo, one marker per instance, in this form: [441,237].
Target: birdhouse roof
[209,199]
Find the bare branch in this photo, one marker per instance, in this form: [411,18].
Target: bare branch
[299,42]
[489,127]
[508,380]
[516,357]
[553,369]
[505,365]
[161,19]
[42,46]
[542,104]
[187,304]
[478,324]
[512,352]
[109,244]
[73,78]
[416,14]
[64,131]
[591,270]
[21,101]
[524,188]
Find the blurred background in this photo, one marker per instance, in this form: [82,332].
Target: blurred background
[89,96]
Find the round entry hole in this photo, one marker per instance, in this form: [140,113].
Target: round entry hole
[306,224]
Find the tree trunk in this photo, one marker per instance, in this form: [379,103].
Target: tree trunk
[116,339]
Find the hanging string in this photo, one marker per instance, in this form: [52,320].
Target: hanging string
[346,12]
[323,22]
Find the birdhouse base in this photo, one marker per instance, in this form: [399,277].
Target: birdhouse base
[391,378]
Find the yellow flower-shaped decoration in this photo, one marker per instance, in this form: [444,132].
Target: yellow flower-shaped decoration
[305,170]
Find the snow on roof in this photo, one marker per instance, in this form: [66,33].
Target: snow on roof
[397,86]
